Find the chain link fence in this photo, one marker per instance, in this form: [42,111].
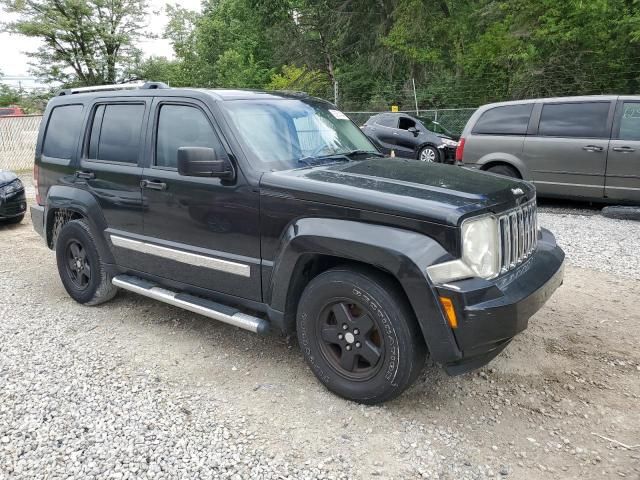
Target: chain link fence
[450,121]
[18,137]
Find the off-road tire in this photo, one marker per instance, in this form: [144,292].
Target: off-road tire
[403,352]
[98,288]
[504,170]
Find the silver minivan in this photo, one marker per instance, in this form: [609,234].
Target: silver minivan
[572,147]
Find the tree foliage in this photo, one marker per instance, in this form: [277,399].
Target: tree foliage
[86,42]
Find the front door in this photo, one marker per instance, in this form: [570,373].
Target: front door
[623,164]
[406,141]
[568,156]
[200,231]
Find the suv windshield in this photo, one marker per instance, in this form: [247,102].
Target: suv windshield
[291,133]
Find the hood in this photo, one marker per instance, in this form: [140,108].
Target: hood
[426,191]
[6,177]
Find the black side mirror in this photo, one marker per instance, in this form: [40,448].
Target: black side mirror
[202,162]
[413,130]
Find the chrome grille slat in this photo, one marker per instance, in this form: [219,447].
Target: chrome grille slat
[518,235]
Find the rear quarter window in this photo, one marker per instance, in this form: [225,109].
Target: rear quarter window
[63,129]
[505,120]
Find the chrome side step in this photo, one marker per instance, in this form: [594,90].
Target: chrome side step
[192,303]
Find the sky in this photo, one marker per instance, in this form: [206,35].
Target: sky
[14,62]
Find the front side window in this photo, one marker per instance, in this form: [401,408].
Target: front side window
[63,130]
[289,133]
[504,120]
[115,133]
[577,120]
[630,121]
[182,126]
[406,123]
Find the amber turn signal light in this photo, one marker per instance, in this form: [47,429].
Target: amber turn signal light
[449,311]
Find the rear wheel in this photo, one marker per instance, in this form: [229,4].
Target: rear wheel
[80,267]
[505,170]
[359,336]
[429,154]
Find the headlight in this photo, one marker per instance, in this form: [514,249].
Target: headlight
[12,187]
[480,253]
[450,143]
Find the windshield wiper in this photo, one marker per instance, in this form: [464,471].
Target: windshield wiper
[353,153]
[323,160]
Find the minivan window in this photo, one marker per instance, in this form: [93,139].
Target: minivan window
[182,126]
[63,129]
[115,133]
[578,120]
[504,120]
[630,121]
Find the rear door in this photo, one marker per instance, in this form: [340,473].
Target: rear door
[200,231]
[568,156]
[623,163]
[386,131]
[110,165]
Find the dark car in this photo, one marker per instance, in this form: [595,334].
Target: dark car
[274,212]
[408,137]
[13,203]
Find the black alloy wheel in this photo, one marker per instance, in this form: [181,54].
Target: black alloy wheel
[78,264]
[351,341]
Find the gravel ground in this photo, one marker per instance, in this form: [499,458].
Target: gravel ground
[139,389]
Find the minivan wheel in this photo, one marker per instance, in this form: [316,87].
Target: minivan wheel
[80,267]
[358,335]
[505,170]
[429,154]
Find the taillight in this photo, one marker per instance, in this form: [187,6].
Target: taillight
[460,150]
[36,174]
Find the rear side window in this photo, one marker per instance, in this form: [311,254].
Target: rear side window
[630,121]
[182,126]
[115,133]
[506,120]
[387,121]
[578,120]
[62,133]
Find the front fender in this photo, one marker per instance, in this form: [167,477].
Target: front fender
[83,203]
[401,253]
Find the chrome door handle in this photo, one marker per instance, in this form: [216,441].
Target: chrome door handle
[86,175]
[623,149]
[592,148]
[153,185]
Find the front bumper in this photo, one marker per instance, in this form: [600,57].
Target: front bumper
[490,313]
[448,153]
[13,205]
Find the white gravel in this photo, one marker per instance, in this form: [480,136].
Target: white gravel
[593,241]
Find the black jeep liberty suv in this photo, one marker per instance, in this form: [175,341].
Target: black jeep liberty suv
[273,211]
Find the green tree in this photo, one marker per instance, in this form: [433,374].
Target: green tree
[84,42]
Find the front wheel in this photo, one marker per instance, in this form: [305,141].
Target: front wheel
[359,336]
[429,154]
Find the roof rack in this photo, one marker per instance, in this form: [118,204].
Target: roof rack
[117,86]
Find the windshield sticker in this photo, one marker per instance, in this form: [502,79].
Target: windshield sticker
[338,114]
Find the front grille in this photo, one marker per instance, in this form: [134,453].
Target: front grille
[518,235]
